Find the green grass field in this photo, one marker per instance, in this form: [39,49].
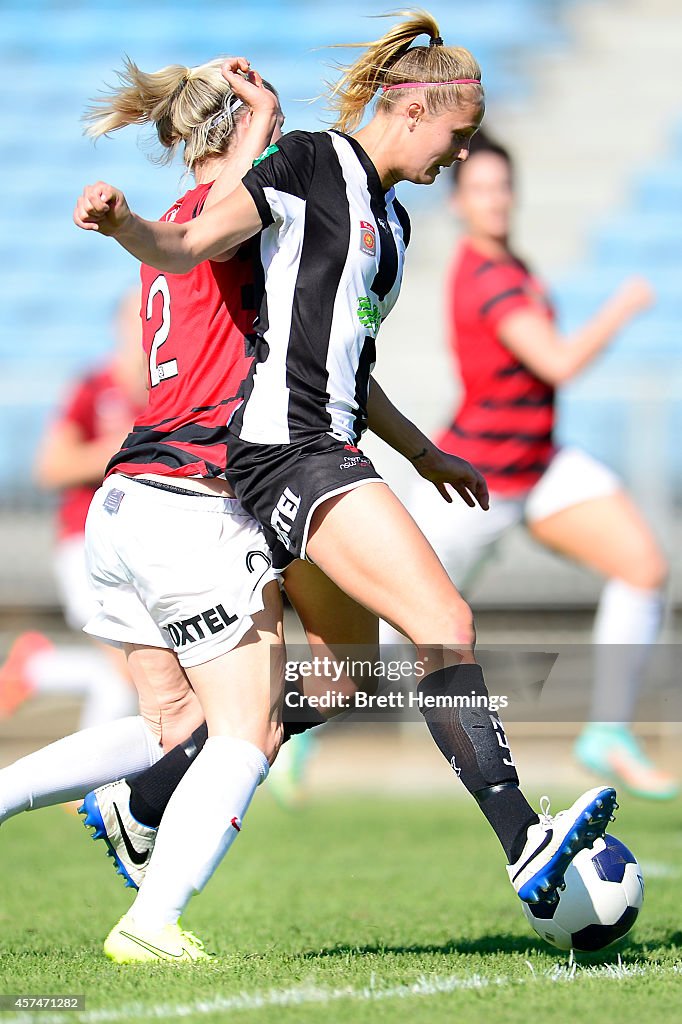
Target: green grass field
[348,910]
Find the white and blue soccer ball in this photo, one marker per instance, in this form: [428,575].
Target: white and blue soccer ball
[603,896]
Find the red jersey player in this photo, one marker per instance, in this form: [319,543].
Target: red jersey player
[194,389]
[510,359]
[505,422]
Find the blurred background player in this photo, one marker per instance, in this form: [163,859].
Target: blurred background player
[511,357]
[71,461]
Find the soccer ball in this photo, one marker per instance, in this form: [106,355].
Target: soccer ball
[604,892]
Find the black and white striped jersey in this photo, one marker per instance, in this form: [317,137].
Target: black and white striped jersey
[332,251]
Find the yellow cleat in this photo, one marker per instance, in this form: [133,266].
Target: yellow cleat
[128,943]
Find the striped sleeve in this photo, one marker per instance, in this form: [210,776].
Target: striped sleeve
[285,169]
[78,407]
[500,291]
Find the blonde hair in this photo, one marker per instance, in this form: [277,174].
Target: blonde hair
[194,106]
[392,60]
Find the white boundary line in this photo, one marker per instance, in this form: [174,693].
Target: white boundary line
[424,986]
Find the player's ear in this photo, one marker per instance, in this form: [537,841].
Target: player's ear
[414,112]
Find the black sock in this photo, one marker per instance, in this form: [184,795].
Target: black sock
[151,791]
[300,716]
[473,741]
[510,814]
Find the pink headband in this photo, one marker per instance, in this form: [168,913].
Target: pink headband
[422,85]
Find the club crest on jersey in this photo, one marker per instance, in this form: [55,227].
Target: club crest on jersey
[368,238]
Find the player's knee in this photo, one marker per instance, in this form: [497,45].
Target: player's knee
[647,569]
[456,625]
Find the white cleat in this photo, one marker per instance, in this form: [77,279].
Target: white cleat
[107,810]
[552,844]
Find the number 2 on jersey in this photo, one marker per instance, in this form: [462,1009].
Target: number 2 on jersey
[159,372]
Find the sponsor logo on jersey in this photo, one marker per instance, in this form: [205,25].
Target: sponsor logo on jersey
[265,154]
[198,627]
[283,515]
[356,459]
[352,461]
[368,314]
[368,240]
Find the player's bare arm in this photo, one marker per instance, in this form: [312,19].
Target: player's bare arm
[535,341]
[174,248]
[405,437]
[68,459]
[266,119]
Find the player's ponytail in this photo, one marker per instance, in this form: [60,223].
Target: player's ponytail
[393,60]
[194,106]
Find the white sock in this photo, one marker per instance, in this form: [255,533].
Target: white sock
[71,767]
[200,823]
[627,623]
[87,673]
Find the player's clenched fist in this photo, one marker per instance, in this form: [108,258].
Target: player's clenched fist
[102,208]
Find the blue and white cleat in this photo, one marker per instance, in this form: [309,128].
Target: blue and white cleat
[552,844]
[130,843]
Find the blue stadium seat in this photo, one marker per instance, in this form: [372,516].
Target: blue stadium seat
[645,238]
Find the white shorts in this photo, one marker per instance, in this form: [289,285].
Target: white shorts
[170,570]
[73,582]
[464,538]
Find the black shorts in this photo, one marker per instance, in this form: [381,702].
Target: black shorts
[281,485]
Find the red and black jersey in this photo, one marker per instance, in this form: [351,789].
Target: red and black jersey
[96,406]
[505,422]
[195,330]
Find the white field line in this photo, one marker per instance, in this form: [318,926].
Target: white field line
[659,869]
[307,994]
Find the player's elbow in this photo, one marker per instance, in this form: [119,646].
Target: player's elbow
[555,370]
[45,474]
[177,253]
[193,249]
[555,376]
[181,261]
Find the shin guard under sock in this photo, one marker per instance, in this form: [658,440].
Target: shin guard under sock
[455,706]
[151,791]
